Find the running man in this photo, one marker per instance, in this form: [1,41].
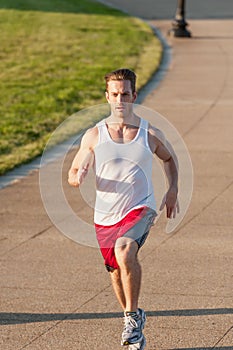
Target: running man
[120,149]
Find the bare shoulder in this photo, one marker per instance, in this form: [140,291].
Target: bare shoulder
[90,138]
[156,138]
[156,133]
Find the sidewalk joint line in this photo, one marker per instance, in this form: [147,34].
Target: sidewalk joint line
[217,98]
[224,335]
[189,221]
[60,321]
[27,240]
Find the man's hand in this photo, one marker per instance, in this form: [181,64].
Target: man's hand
[171,201]
[82,173]
[73,178]
[76,176]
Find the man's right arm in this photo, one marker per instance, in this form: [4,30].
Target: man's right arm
[84,158]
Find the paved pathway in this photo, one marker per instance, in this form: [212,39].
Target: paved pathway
[55,293]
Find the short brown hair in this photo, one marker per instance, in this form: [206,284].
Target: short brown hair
[122,74]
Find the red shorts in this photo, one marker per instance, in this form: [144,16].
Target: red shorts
[136,225]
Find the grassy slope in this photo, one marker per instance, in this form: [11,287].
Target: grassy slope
[52,62]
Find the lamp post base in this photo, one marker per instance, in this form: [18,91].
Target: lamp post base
[179,29]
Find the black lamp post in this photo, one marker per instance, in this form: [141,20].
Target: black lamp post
[179,24]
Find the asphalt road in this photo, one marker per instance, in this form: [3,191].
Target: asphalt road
[165,9]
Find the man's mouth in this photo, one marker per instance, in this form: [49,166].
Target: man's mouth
[120,108]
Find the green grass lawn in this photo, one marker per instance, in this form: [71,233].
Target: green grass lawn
[53,57]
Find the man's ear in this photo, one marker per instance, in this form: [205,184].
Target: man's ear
[135,96]
[107,96]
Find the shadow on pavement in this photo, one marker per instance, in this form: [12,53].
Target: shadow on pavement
[20,318]
[209,348]
[230,37]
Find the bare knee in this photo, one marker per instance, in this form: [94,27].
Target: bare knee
[126,253]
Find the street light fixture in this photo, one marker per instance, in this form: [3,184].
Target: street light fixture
[179,24]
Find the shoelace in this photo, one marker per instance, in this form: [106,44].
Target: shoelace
[130,324]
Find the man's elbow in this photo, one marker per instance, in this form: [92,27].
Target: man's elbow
[172,161]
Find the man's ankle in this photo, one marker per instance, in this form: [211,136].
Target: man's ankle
[131,313]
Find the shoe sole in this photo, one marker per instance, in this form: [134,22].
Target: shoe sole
[125,343]
[138,346]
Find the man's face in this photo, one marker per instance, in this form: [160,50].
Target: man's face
[120,96]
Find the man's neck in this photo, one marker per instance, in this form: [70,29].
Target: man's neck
[123,122]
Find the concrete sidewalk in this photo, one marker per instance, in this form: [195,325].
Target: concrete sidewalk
[55,294]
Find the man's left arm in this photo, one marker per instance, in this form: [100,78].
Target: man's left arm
[170,199]
[165,152]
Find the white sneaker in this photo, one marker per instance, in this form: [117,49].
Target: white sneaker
[132,333]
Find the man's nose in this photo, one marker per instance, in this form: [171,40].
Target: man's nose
[119,98]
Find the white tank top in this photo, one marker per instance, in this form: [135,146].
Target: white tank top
[123,175]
